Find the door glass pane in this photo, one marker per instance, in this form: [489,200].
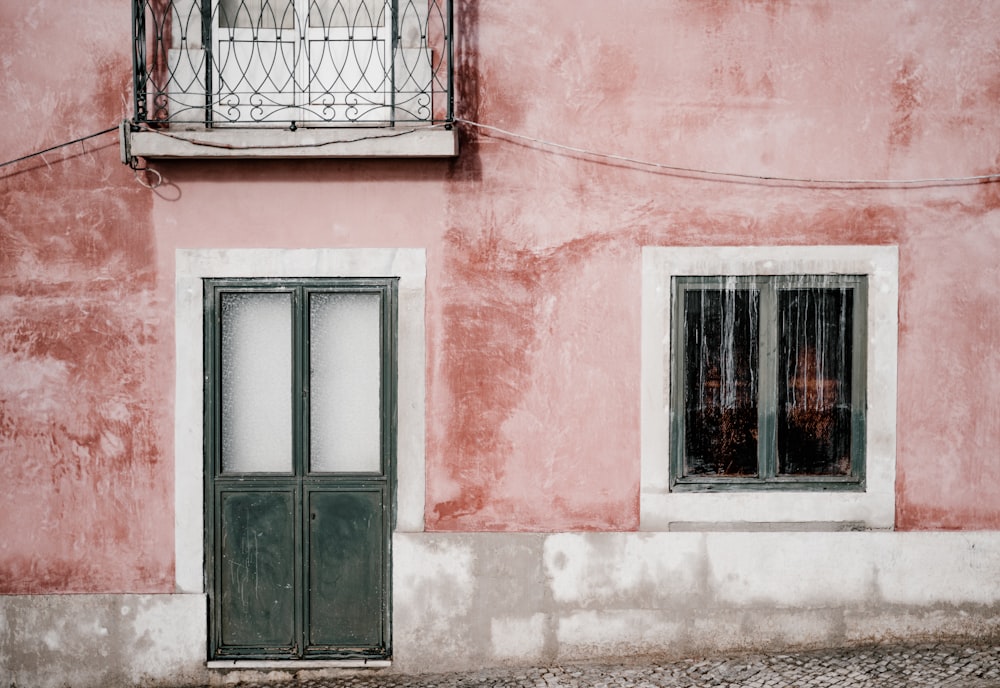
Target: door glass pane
[256,382]
[345,428]
[347,13]
[256,14]
[814,391]
[720,381]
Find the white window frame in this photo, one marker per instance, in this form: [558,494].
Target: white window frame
[660,509]
[191,267]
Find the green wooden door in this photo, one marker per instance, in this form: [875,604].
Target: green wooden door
[300,418]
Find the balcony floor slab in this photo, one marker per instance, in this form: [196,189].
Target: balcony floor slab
[400,141]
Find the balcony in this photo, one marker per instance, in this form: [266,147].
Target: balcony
[291,78]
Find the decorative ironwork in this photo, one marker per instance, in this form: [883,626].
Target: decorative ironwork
[291,63]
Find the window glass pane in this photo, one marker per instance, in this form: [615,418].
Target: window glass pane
[345,378]
[720,381]
[814,372]
[256,382]
[347,13]
[256,14]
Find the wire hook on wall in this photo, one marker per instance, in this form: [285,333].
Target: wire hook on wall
[136,169]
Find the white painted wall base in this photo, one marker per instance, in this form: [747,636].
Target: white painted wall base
[84,641]
[471,600]
[466,600]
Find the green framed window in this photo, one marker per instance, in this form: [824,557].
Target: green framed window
[768,382]
[300,419]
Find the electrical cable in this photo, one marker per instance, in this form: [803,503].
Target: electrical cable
[58,146]
[995,176]
[737,175]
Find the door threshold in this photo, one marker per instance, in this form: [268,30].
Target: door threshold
[298,663]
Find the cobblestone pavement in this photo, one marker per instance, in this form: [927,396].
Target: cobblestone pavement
[954,666]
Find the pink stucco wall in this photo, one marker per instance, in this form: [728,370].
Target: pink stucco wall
[535,406]
[86,472]
[533,281]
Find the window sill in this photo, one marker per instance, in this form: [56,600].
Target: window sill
[420,141]
[298,664]
[816,484]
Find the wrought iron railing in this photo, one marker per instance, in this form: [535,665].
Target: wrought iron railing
[292,63]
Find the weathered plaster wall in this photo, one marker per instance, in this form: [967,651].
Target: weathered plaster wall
[468,600]
[85,422]
[471,599]
[104,641]
[533,323]
[533,253]
[949,435]
[534,400]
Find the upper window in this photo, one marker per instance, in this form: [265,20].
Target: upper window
[285,65]
[768,390]
[333,66]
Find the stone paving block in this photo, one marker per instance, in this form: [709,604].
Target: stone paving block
[931,665]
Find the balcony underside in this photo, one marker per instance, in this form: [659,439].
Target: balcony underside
[401,141]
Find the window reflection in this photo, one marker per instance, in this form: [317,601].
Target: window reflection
[720,382]
[256,14]
[814,394]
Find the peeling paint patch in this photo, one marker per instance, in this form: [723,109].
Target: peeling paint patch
[958,425]
[526,354]
[520,638]
[597,570]
[83,428]
[907,96]
[433,582]
[51,641]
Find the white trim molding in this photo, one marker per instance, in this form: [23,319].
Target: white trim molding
[661,509]
[194,265]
